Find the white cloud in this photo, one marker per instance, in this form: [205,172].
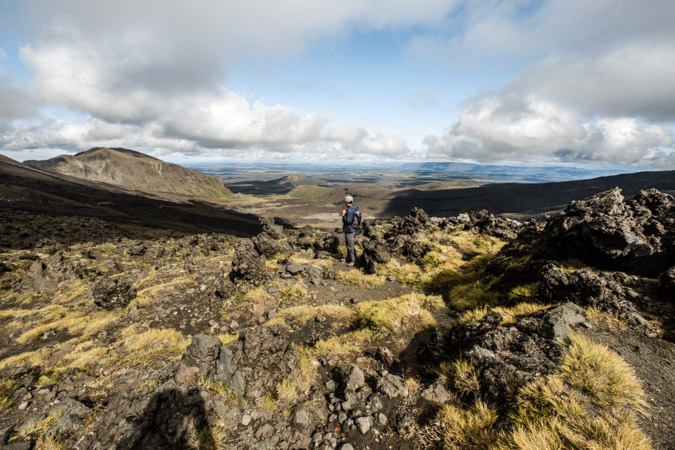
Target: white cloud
[501,129]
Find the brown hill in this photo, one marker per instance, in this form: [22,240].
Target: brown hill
[52,205]
[135,171]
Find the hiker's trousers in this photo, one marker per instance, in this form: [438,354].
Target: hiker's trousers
[349,241]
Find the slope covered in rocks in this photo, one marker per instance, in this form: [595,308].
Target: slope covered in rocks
[472,331]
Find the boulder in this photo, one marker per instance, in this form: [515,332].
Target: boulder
[508,357]
[111,293]
[248,265]
[613,234]
[265,244]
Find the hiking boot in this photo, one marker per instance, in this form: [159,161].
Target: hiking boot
[350,264]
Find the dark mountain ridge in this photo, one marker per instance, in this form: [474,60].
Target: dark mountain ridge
[521,198]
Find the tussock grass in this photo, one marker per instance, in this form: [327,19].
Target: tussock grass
[74,322]
[209,438]
[255,301]
[603,374]
[300,315]
[510,315]
[38,426]
[287,391]
[69,291]
[360,279]
[408,313]
[405,273]
[32,358]
[457,428]
[345,344]
[524,292]
[461,375]
[50,443]
[610,320]
[591,403]
[145,297]
[7,389]
[292,293]
[226,338]
[145,347]
[85,356]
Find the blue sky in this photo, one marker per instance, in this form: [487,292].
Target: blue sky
[516,81]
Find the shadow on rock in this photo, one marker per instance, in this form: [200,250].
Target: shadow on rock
[174,419]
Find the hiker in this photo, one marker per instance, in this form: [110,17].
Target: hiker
[351,219]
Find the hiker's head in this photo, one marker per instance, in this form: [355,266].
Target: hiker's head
[349,200]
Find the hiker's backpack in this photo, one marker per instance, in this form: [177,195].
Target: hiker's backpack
[356,217]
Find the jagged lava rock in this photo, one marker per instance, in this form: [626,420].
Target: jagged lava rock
[610,233]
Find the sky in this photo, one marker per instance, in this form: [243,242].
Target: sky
[488,81]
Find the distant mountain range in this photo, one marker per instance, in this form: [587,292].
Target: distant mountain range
[127,186]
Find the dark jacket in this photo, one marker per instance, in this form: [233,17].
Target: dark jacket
[347,220]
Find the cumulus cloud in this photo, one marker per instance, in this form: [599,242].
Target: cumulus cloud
[503,128]
[153,75]
[157,71]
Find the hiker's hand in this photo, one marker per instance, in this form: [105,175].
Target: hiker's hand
[344,212]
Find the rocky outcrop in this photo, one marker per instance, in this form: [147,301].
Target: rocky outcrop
[486,223]
[111,293]
[611,233]
[510,356]
[248,265]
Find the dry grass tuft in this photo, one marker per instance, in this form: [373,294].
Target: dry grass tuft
[603,374]
[462,376]
[7,389]
[208,438]
[592,403]
[143,348]
[457,428]
[609,320]
[299,315]
[510,315]
[408,313]
[360,279]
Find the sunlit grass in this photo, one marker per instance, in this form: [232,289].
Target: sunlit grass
[591,403]
[145,347]
[407,313]
[300,315]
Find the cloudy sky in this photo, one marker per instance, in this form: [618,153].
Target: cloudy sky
[573,81]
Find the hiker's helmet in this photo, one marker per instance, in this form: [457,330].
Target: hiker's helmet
[349,199]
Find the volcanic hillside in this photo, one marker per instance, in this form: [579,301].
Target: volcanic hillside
[51,205]
[464,332]
[132,170]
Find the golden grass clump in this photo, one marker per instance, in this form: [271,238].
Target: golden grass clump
[603,374]
[406,313]
[510,314]
[208,439]
[610,320]
[360,279]
[344,344]
[147,346]
[460,428]
[7,389]
[73,322]
[591,403]
[462,376]
[299,315]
